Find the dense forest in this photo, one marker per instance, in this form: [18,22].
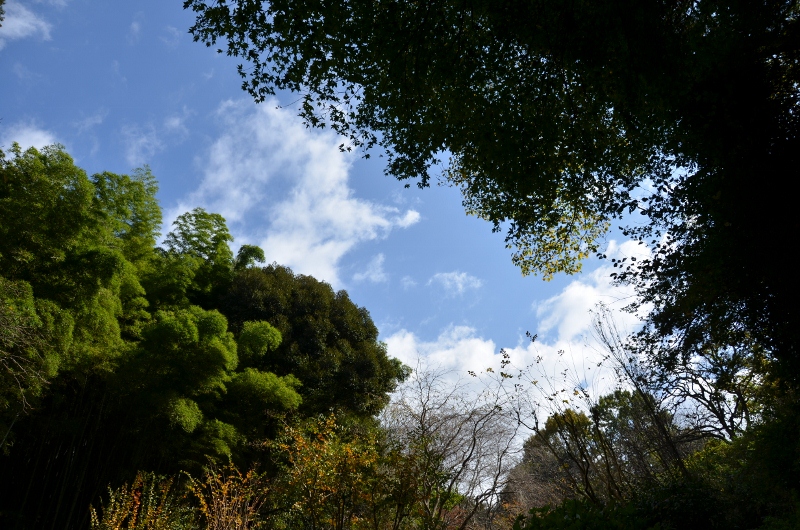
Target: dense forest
[175,385]
[120,356]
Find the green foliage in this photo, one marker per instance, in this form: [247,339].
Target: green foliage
[203,236]
[256,340]
[133,299]
[108,367]
[174,377]
[328,343]
[168,279]
[188,350]
[34,339]
[583,515]
[131,211]
[247,256]
[50,234]
[188,401]
[184,413]
[76,241]
[253,393]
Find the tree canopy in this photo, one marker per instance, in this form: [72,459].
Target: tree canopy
[329,343]
[555,119]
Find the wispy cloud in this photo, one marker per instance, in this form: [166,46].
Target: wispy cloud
[455,283]
[117,71]
[145,141]
[90,122]
[176,123]
[20,23]
[57,3]
[141,144]
[24,74]
[291,182]
[26,134]
[408,282]
[135,29]
[172,36]
[374,272]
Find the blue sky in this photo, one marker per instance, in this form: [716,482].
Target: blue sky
[121,84]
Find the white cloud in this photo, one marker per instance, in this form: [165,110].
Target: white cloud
[374,271]
[26,134]
[460,350]
[567,357]
[408,282]
[24,74]
[141,144]
[569,312]
[176,124]
[314,223]
[172,37]
[115,68]
[90,122]
[411,217]
[133,32]
[57,3]
[538,367]
[135,29]
[457,348]
[455,283]
[20,22]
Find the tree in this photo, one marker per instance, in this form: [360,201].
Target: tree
[82,376]
[247,256]
[201,238]
[51,235]
[458,449]
[325,479]
[189,401]
[106,366]
[556,118]
[69,290]
[329,343]
[438,460]
[34,340]
[719,392]
[69,250]
[666,445]
[131,211]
